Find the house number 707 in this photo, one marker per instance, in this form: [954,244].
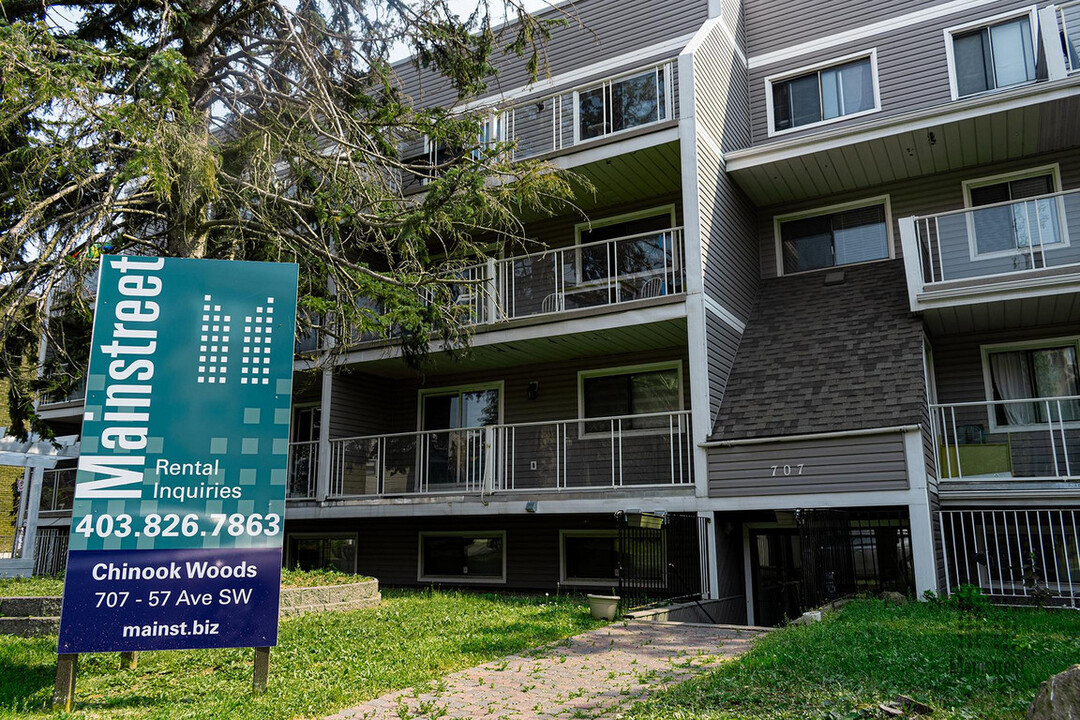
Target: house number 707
[787,469]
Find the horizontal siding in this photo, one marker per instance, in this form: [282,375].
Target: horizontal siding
[924,196]
[912,67]
[958,372]
[847,464]
[729,258]
[596,30]
[722,342]
[775,24]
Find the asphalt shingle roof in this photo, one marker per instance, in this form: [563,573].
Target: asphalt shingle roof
[819,357]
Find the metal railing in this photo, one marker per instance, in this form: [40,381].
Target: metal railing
[303,470]
[589,275]
[1016,557]
[1069,17]
[598,453]
[57,490]
[1027,439]
[1000,239]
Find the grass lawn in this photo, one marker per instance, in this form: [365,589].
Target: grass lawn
[322,663]
[984,666]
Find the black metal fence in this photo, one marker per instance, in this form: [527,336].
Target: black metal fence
[854,552]
[662,558]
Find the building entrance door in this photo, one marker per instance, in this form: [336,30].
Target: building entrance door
[776,574]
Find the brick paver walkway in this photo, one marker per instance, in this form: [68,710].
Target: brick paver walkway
[591,675]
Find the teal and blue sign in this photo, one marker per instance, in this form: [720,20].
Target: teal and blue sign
[180,494]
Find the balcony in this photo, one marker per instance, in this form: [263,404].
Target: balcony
[610,453]
[590,276]
[1003,251]
[1005,443]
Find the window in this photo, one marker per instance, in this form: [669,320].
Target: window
[825,239]
[318,552]
[594,557]
[622,104]
[1047,369]
[622,392]
[822,94]
[465,557]
[1014,222]
[991,55]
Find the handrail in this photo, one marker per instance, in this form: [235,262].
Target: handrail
[982,403]
[988,206]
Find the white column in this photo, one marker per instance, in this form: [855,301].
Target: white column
[713,567]
[322,478]
[33,501]
[919,515]
[1051,42]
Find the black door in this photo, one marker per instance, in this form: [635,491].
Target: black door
[776,574]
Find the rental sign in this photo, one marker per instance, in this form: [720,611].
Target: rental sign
[180,493]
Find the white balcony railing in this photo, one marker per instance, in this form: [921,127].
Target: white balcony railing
[303,470]
[1030,440]
[1069,17]
[590,275]
[595,454]
[997,241]
[1016,557]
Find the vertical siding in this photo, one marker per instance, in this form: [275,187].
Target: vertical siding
[922,196]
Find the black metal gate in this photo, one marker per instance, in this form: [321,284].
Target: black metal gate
[662,558]
[850,552]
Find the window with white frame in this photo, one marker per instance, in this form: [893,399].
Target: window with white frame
[1012,213]
[993,54]
[841,235]
[625,392]
[623,103]
[822,94]
[463,556]
[1045,369]
[600,260]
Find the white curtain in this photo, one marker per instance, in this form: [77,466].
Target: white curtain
[1011,377]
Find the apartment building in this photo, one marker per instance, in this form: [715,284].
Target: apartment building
[821,315]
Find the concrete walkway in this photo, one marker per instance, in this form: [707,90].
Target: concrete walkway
[592,675]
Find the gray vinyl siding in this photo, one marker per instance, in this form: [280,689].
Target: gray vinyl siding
[722,342]
[357,405]
[775,24]
[726,215]
[912,67]
[958,366]
[596,30]
[864,463]
[922,196]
